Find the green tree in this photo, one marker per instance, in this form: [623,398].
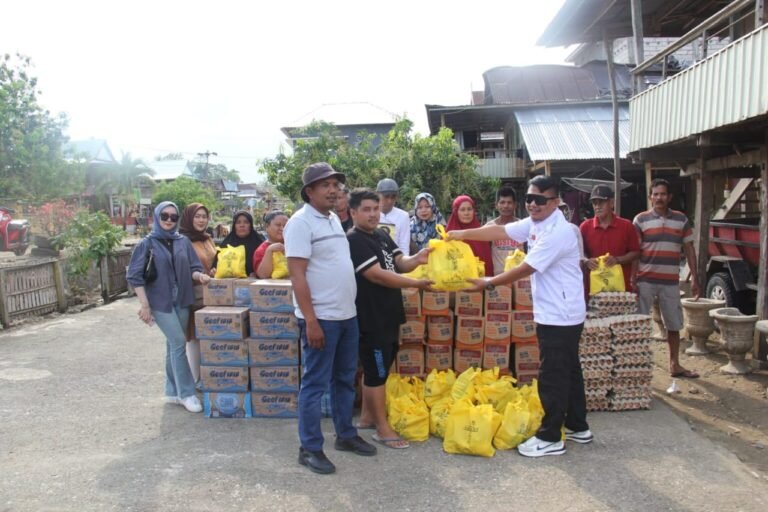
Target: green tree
[121,181]
[183,191]
[214,172]
[419,164]
[169,156]
[31,139]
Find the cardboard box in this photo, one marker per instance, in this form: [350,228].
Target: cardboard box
[435,303]
[498,299]
[523,327]
[227,405]
[438,356]
[413,330]
[275,379]
[282,326]
[468,303]
[219,292]
[272,296]
[440,327]
[526,378]
[410,359]
[273,352]
[470,330]
[224,378]
[498,326]
[223,353]
[411,302]
[221,323]
[523,296]
[242,292]
[497,354]
[527,358]
[275,405]
[467,356]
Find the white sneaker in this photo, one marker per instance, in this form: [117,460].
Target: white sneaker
[535,447]
[172,400]
[191,403]
[583,437]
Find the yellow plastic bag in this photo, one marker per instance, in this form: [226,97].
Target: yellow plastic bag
[531,397]
[438,415]
[514,426]
[606,279]
[514,260]
[410,417]
[420,272]
[438,386]
[464,387]
[397,386]
[488,376]
[279,265]
[231,262]
[451,263]
[470,429]
[498,393]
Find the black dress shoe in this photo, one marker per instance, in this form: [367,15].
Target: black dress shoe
[355,444]
[316,461]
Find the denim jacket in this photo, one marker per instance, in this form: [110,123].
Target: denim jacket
[160,292]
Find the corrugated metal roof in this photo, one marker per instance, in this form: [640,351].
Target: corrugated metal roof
[728,87]
[96,150]
[229,186]
[572,133]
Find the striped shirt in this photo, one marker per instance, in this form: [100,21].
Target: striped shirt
[661,243]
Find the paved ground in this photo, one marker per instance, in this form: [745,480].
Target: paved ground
[83,428]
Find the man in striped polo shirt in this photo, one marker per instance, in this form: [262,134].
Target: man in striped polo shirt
[663,233]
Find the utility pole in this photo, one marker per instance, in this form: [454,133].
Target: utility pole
[207,154]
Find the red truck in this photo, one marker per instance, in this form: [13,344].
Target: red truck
[734,255]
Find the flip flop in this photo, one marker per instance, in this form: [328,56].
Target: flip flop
[396,443]
[360,426]
[686,374]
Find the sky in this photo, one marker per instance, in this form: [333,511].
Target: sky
[158,77]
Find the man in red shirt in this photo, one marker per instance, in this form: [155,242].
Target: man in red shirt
[607,233]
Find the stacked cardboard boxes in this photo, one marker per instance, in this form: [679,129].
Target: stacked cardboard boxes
[436,306]
[498,328]
[524,332]
[411,356]
[469,334]
[273,348]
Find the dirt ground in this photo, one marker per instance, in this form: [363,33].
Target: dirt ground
[731,410]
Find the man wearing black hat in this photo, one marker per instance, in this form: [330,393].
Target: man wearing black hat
[607,233]
[324,291]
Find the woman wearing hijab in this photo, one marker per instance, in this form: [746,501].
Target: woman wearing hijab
[464,216]
[194,225]
[243,233]
[425,220]
[166,299]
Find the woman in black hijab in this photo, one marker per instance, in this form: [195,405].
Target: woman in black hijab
[243,233]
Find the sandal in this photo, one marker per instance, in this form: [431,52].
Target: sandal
[396,443]
[361,426]
[686,374]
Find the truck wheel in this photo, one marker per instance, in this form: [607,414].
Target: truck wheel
[720,287]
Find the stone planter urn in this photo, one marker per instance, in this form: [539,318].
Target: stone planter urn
[737,332]
[698,323]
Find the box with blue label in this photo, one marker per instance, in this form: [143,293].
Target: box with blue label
[223,353]
[272,296]
[242,292]
[273,352]
[222,323]
[224,378]
[227,405]
[219,292]
[274,325]
[275,378]
[275,405]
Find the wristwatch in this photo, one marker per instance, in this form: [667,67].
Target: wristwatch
[490,287]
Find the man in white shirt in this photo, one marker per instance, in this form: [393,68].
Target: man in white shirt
[324,290]
[394,221]
[558,310]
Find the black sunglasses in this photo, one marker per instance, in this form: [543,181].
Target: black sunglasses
[538,199]
[169,216]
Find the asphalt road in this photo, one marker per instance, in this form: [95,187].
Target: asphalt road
[83,427]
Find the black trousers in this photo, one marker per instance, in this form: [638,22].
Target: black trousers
[561,383]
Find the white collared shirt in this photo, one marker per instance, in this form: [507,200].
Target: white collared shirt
[320,239]
[558,284]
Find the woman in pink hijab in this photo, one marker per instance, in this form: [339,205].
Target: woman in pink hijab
[464,216]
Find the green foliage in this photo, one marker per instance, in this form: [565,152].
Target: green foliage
[215,172]
[122,178]
[31,139]
[169,156]
[419,164]
[88,238]
[183,191]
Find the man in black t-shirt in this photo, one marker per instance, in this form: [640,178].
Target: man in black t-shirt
[377,261]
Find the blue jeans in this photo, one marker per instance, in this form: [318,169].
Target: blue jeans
[336,363]
[178,378]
